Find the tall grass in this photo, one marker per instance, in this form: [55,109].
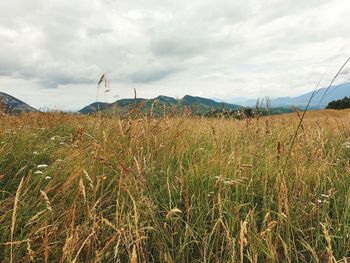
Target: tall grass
[182,189]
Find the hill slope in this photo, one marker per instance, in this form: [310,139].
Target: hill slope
[196,104]
[13,105]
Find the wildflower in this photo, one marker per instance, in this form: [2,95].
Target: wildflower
[48,177]
[346,144]
[38,172]
[35,153]
[42,166]
[229,182]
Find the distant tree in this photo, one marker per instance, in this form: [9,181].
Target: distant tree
[339,104]
[248,112]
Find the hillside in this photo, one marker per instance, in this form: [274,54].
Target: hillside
[195,104]
[10,104]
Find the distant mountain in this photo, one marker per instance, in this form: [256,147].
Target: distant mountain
[195,104]
[10,104]
[94,107]
[320,100]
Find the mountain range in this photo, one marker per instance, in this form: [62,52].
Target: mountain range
[196,104]
[319,101]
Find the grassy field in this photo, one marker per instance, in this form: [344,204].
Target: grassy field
[89,189]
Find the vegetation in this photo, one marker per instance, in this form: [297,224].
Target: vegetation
[339,104]
[246,112]
[174,189]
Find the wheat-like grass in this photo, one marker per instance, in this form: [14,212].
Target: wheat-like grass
[174,189]
[14,213]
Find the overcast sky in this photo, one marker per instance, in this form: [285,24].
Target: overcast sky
[53,52]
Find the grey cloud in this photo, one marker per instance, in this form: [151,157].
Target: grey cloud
[55,83]
[97,32]
[150,76]
[177,46]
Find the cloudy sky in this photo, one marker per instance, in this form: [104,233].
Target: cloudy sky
[53,52]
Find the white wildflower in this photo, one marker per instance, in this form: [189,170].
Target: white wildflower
[346,144]
[229,182]
[38,172]
[42,166]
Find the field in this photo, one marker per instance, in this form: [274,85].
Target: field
[186,189]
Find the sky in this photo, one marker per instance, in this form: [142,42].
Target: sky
[53,52]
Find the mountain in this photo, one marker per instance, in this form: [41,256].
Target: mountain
[196,104]
[323,97]
[10,104]
[319,101]
[96,106]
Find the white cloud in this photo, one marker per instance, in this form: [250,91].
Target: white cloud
[53,52]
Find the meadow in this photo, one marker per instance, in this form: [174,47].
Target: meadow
[79,188]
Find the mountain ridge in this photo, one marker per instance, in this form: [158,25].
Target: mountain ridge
[202,104]
[10,104]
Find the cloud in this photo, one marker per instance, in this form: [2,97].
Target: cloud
[150,76]
[214,49]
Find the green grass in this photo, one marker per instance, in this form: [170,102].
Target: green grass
[175,189]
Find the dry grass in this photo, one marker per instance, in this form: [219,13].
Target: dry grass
[174,189]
